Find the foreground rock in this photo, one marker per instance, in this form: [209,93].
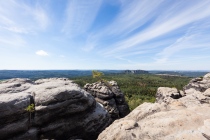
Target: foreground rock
[175,115]
[110,96]
[62,110]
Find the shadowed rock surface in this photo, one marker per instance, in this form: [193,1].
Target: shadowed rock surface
[110,96]
[176,115]
[62,110]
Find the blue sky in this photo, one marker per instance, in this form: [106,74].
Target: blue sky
[105,34]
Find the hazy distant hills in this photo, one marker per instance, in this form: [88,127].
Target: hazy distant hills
[37,74]
[181,73]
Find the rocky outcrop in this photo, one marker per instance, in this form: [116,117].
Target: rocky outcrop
[175,115]
[62,110]
[198,85]
[110,96]
[163,94]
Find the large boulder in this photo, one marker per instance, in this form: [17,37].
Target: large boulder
[62,110]
[110,96]
[163,94]
[173,116]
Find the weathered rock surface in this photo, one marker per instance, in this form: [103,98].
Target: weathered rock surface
[198,84]
[110,96]
[62,110]
[172,117]
[163,94]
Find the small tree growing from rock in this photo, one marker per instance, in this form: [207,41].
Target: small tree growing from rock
[109,95]
[98,75]
[30,108]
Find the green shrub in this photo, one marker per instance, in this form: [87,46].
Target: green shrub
[30,108]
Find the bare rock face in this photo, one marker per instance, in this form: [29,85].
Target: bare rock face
[62,110]
[198,84]
[172,117]
[110,96]
[199,88]
[163,94]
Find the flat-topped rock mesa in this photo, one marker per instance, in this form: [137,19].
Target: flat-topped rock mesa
[176,115]
[136,72]
[110,96]
[62,110]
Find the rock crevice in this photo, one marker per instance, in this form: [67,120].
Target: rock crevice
[110,96]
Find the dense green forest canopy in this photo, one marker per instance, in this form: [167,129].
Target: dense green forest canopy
[138,88]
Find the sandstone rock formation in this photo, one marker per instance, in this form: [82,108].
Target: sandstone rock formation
[176,115]
[110,96]
[62,110]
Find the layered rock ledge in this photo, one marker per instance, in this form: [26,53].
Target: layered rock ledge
[62,110]
[110,96]
[176,115]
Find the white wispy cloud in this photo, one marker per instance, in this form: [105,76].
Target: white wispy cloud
[41,17]
[80,16]
[16,30]
[195,38]
[11,40]
[19,17]
[177,63]
[42,53]
[90,43]
[133,15]
[166,19]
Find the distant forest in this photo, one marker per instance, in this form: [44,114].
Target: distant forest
[139,88]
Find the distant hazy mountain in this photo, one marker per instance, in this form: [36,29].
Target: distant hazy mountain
[37,74]
[181,73]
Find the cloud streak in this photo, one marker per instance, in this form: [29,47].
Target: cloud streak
[164,25]
[20,17]
[80,15]
[133,15]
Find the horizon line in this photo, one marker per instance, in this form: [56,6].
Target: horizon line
[97,69]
